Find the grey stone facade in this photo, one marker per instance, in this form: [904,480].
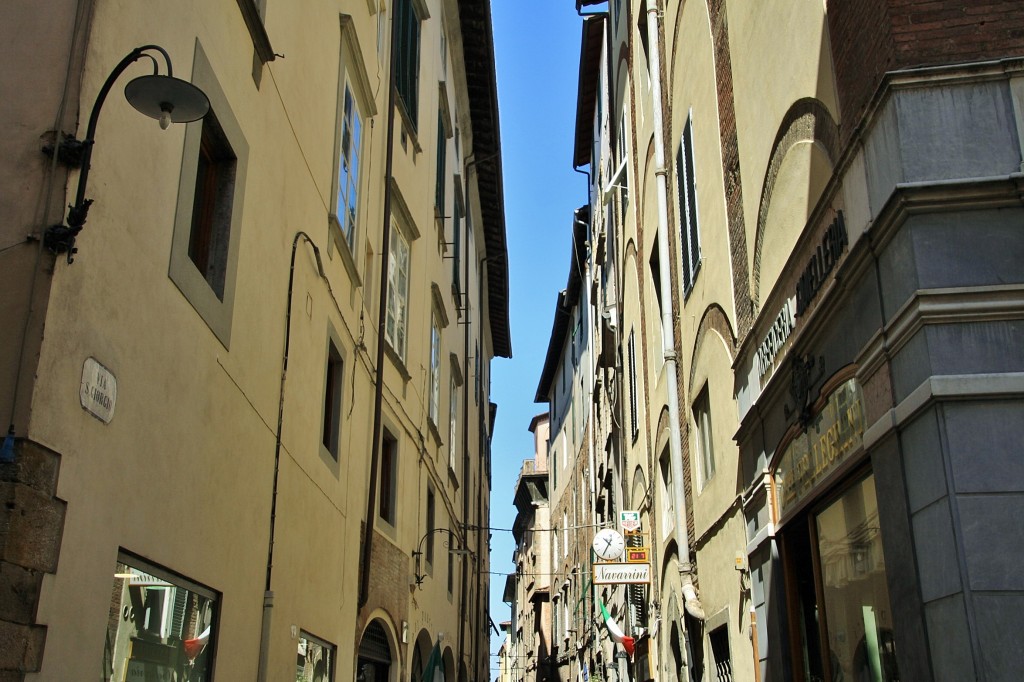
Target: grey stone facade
[927,309]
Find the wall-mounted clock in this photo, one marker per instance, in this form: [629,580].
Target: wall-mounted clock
[608,544]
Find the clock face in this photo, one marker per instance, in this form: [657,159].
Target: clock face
[608,544]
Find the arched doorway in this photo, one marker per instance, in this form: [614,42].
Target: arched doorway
[374,662]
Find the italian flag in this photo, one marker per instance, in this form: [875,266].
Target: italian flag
[616,632]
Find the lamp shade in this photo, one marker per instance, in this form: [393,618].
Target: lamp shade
[156,95]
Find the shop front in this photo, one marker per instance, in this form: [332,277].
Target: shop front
[838,613]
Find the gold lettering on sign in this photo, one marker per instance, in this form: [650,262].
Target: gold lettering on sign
[830,438]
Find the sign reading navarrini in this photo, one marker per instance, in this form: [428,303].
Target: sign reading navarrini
[617,573]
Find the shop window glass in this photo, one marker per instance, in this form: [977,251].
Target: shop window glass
[857,611]
[161,626]
[315,662]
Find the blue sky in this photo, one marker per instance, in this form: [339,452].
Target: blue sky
[537,48]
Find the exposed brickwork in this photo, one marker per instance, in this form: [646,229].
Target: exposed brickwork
[808,119]
[675,269]
[943,31]
[714,319]
[871,37]
[731,168]
[389,583]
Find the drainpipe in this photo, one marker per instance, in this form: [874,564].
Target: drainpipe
[378,389]
[268,594]
[691,601]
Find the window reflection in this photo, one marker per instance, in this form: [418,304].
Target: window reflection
[857,612]
[160,628]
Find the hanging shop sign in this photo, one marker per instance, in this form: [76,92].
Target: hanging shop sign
[822,261]
[622,574]
[638,555]
[829,439]
[630,521]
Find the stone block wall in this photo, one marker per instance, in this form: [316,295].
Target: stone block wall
[31,528]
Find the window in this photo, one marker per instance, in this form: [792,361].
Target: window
[349,152]
[565,534]
[703,435]
[208,215]
[565,614]
[641,25]
[584,410]
[457,246]
[668,520]
[158,612]
[451,567]
[407,55]
[554,617]
[332,400]
[453,418]
[388,478]
[435,371]
[572,411]
[686,185]
[444,53]
[211,211]
[315,662]
[655,263]
[381,25]
[620,177]
[554,469]
[719,640]
[476,376]
[441,178]
[634,423]
[853,584]
[428,551]
[398,291]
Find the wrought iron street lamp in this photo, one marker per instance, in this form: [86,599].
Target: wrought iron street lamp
[460,551]
[159,96]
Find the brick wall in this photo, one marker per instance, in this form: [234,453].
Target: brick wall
[871,37]
[389,581]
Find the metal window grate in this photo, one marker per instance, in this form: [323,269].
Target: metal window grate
[719,639]
[375,644]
